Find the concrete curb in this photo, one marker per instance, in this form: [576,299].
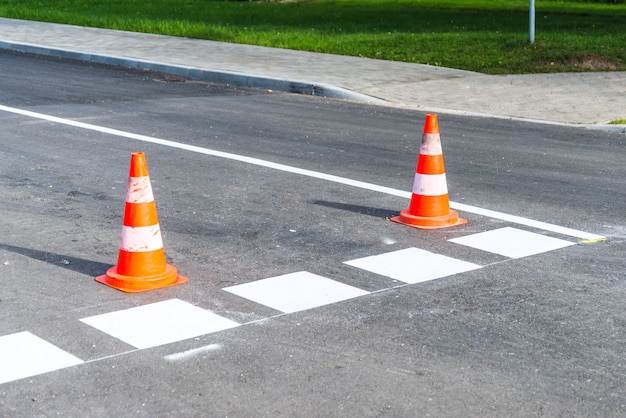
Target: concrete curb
[269,83]
[201,74]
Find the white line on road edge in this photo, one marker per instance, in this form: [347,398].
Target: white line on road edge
[309,173]
[586,236]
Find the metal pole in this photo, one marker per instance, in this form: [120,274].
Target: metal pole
[531,28]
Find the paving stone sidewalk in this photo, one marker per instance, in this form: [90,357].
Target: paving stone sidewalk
[569,98]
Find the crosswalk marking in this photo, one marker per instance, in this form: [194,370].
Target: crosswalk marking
[412,265]
[512,242]
[24,355]
[159,323]
[295,291]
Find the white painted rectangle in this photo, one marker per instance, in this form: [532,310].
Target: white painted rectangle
[295,291]
[159,323]
[512,242]
[413,265]
[24,355]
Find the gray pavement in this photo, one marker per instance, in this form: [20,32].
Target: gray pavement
[589,99]
[540,335]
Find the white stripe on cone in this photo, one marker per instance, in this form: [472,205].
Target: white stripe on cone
[141,238]
[431,145]
[139,190]
[430,184]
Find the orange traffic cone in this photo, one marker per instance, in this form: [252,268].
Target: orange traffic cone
[430,207]
[141,262]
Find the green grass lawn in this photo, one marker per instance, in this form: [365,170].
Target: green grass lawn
[490,36]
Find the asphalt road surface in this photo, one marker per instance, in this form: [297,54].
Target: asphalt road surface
[303,299]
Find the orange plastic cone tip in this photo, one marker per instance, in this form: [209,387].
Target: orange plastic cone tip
[431,125]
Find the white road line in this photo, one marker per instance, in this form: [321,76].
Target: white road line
[309,173]
[588,236]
